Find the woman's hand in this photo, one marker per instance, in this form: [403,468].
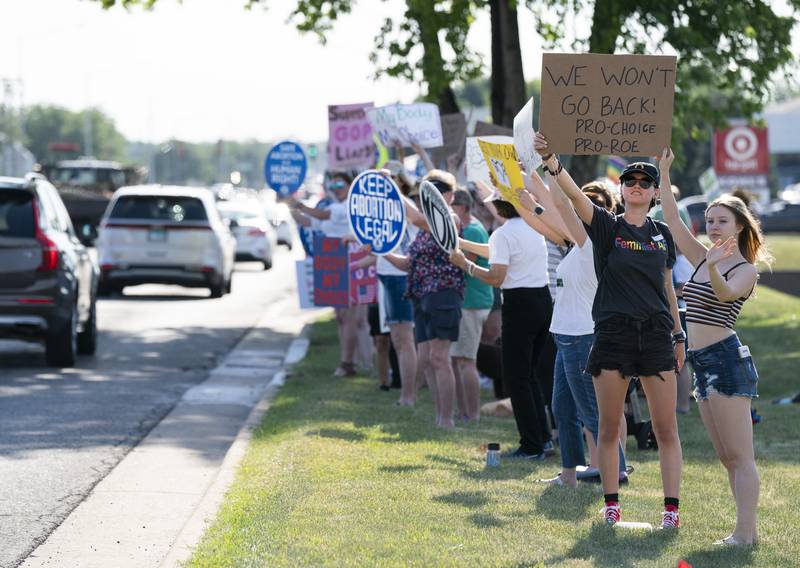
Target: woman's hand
[719,251]
[540,144]
[527,200]
[665,161]
[680,355]
[457,257]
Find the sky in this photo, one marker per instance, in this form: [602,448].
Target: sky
[208,69]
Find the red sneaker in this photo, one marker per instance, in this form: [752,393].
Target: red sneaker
[670,520]
[611,514]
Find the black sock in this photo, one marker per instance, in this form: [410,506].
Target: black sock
[671,501]
[611,498]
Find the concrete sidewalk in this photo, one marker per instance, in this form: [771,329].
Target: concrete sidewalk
[152,509]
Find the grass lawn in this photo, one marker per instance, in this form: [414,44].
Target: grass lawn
[338,476]
[786,250]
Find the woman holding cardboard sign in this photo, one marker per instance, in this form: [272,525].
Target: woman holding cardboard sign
[725,377]
[637,328]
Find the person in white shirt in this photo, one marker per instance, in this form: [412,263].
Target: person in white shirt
[518,259]
[334,222]
[572,327]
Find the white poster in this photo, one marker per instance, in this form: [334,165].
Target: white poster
[477,169]
[403,124]
[523,138]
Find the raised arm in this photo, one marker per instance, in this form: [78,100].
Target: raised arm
[423,154]
[582,204]
[550,217]
[533,214]
[481,249]
[493,276]
[573,223]
[743,280]
[694,250]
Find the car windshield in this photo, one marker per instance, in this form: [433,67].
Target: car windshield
[88,176]
[16,214]
[176,209]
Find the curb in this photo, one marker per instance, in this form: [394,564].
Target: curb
[206,511]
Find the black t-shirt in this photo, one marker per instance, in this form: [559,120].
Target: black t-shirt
[630,262]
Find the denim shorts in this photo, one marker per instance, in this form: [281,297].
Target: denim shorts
[437,316]
[396,308]
[721,368]
[633,347]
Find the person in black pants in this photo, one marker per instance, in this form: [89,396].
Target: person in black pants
[518,257]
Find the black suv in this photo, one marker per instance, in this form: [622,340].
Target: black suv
[48,280]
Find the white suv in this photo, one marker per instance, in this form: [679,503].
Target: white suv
[164,235]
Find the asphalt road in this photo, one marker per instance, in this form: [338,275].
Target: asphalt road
[62,431]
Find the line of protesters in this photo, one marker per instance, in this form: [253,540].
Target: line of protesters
[588,303]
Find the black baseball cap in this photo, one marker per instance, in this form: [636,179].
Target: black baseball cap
[645,168]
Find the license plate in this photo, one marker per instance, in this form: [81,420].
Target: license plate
[157,235]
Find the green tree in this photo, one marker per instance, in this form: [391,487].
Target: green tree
[46,124]
[728,46]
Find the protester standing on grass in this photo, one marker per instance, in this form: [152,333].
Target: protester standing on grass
[637,328]
[334,222]
[398,311]
[572,328]
[518,265]
[436,289]
[478,301]
[725,378]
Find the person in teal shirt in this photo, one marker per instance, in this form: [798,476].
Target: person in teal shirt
[478,300]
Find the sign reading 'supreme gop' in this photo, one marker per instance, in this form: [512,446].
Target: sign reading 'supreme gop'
[377,215]
[607,104]
[285,167]
[350,143]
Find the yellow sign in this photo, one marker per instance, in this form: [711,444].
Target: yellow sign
[503,169]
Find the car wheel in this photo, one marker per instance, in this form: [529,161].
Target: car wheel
[61,343]
[87,339]
[288,244]
[229,285]
[217,289]
[267,263]
[103,288]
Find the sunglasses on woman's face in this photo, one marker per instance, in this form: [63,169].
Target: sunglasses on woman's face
[338,184]
[643,183]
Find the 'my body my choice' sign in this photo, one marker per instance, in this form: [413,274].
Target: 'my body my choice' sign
[607,104]
[377,215]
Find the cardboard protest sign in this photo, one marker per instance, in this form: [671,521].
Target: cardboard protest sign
[454,134]
[484,129]
[350,143]
[501,160]
[523,138]
[376,211]
[404,124]
[439,217]
[363,281]
[285,167]
[304,270]
[607,104]
[477,170]
[331,272]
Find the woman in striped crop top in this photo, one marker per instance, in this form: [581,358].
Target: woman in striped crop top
[725,378]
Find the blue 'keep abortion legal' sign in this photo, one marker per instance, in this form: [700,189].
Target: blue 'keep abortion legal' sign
[377,215]
[285,167]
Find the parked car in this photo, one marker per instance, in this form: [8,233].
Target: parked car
[284,225]
[696,206]
[256,238]
[781,217]
[165,235]
[48,279]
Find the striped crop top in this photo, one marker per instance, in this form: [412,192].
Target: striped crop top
[703,306]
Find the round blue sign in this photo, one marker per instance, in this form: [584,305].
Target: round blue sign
[285,167]
[376,210]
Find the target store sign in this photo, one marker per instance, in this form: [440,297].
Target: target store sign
[741,150]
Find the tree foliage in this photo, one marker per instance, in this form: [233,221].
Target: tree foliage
[733,47]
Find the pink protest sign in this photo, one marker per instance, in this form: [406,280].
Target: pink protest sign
[350,142]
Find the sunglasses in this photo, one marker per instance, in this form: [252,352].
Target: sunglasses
[643,183]
[337,185]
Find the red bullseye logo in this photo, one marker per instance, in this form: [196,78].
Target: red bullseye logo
[741,144]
